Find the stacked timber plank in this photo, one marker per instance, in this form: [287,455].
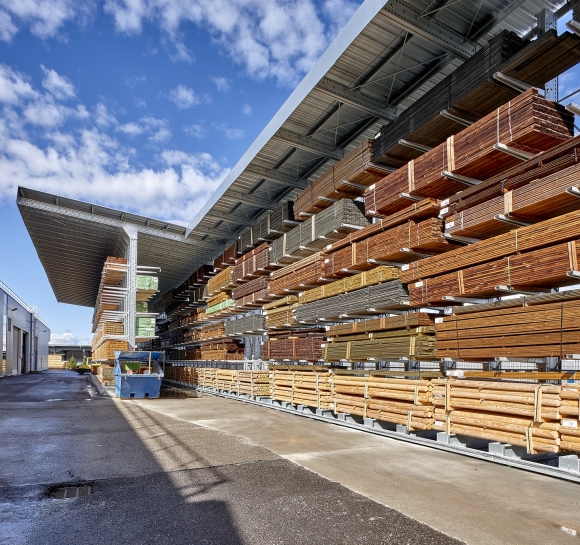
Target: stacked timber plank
[395,400]
[346,179]
[222,281]
[539,270]
[517,413]
[269,228]
[376,299]
[470,91]
[248,325]
[540,330]
[106,350]
[415,343]
[570,417]
[300,345]
[254,263]
[301,385]
[297,276]
[105,375]
[385,323]
[279,313]
[543,198]
[528,123]
[222,350]
[351,283]
[344,216]
[252,294]
[401,244]
[225,259]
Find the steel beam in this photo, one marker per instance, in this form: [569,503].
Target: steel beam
[409,18]
[355,98]
[231,217]
[249,198]
[277,176]
[308,143]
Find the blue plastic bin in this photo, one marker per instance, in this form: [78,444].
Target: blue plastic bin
[138,375]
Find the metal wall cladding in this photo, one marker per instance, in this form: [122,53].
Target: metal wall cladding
[249,325]
[371,300]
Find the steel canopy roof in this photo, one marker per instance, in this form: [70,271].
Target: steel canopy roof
[384,59]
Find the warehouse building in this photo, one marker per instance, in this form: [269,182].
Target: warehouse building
[24,335]
[422,174]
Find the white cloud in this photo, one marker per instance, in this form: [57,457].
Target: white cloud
[139,102]
[197,131]
[130,129]
[162,135]
[103,118]
[46,17]
[230,132]
[279,39]
[247,110]
[14,86]
[222,84]
[7,28]
[59,86]
[84,162]
[67,339]
[184,97]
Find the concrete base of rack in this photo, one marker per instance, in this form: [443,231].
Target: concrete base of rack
[561,467]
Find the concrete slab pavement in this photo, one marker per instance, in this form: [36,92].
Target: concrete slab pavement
[162,480]
[475,501]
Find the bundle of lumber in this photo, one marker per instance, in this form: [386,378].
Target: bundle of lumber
[226,258]
[401,244]
[184,374]
[222,309]
[517,413]
[226,380]
[301,345]
[274,224]
[426,208]
[248,325]
[105,374]
[281,317]
[541,270]
[206,377]
[374,299]
[254,383]
[106,350]
[345,179]
[334,223]
[541,199]
[416,343]
[288,300]
[208,332]
[108,328]
[570,421]
[385,323]
[528,123]
[395,400]
[543,330]
[113,273]
[222,281]
[254,263]
[548,232]
[258,285]
[308,386]
[219,297]
[344,285]
[297,276]
[222,350]
[560,157]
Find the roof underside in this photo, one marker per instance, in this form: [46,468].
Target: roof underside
[387,57]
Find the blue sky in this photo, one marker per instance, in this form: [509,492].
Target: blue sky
[142,105]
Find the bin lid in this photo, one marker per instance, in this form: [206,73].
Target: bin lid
[137,356]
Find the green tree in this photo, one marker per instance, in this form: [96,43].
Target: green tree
[72,363]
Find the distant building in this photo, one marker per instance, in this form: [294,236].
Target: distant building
[79,351]
[24,336]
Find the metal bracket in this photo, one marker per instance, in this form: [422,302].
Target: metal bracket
[574,26]
[447,114]
[352,184]
[459,178]
[458,238]
[415,145]
[508,219]
[389,263]
[452,298]
[384,168]
[523,291]
[411,252]
[573,274]
[574,191]
[517,153]
[515,84]
[410,197]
